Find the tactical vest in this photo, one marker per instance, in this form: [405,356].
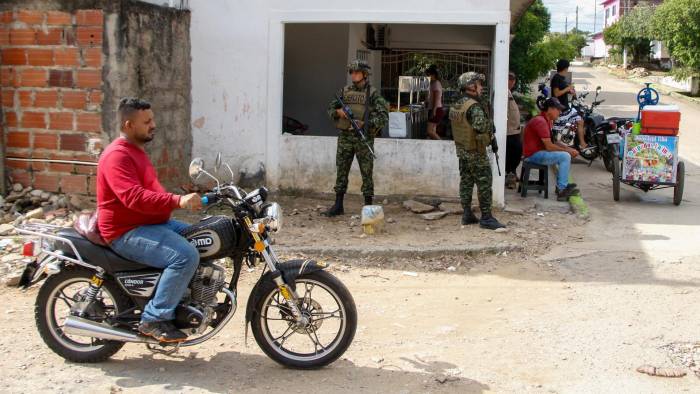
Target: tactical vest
[356,101]
[462,132]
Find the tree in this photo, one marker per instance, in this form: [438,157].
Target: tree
[677,23]
[531,29]
[634,32]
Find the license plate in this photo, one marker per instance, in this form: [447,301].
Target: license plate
[613,138]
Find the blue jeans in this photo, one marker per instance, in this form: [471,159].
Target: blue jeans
[549,158]
[161,246]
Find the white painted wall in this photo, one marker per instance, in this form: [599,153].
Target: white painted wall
[237,81]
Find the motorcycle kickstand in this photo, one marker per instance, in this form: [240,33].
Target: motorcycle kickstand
[162,350]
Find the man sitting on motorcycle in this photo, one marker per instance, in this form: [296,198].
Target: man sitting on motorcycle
[561,90]
[134,218]
[538,147]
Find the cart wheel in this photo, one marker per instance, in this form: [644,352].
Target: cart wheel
[616,177]
[678,189]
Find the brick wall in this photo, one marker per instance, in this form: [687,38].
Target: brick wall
[51,77]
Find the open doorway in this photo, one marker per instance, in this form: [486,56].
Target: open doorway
[316,55]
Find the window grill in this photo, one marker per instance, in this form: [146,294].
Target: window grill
[451,64]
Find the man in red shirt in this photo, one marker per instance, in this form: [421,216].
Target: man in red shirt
[135,219]
[538,147]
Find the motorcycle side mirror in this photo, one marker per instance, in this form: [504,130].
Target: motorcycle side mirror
[196,167]
[597,90]
[217,162]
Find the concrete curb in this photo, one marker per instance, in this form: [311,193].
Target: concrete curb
[398,252]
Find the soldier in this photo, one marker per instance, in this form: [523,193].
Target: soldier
[372,113]
[473,132]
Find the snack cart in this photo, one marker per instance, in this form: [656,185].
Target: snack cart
[648,158]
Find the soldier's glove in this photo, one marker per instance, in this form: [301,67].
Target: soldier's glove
[494,144]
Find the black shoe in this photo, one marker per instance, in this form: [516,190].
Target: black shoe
[563,195]
[162,331]
[570,186]
[337,208]
[368,200]
[468,217]
[489,222]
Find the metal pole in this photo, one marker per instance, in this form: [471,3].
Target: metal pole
[566,24]
[577,18]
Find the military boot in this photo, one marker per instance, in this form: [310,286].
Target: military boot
[368,200]
[468,217]
[489,222]
[337,208]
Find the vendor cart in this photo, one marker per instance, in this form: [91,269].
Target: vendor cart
[648,153]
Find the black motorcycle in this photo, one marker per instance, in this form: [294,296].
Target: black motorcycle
[90,304]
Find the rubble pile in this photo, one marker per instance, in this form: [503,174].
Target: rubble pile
[26,205]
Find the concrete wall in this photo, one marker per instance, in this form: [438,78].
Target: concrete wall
[237,75]
[313,73]
[148,55]
[65,66]
[403,167]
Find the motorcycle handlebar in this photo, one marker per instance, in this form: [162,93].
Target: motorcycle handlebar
[210,198]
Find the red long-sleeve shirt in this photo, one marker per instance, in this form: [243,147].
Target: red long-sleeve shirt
[128,192]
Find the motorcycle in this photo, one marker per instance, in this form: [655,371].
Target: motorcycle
[90,302]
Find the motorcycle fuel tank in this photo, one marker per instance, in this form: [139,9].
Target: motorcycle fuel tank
[214,237]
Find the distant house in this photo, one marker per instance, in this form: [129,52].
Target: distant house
[613,10]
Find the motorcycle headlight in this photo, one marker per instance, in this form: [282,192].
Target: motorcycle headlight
[273,213]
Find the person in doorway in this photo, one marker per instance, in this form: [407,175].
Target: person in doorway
[561,89]
[514,146]
[134,218]
[473,131]
[371,111]
[434,102]
[538,147]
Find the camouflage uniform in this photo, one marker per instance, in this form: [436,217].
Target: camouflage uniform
[474,165]
[349,143]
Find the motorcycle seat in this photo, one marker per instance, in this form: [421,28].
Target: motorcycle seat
[95,254]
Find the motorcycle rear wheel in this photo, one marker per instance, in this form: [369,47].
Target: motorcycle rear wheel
[274,346]
[48,323]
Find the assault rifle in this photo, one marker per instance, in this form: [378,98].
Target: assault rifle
[356,127]
[494,149]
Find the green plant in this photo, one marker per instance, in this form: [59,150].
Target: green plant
[677,23]
[530,30]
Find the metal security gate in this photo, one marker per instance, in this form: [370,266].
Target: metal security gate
[451,64]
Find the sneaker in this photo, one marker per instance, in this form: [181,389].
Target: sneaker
[163,331]
[563,195]
[489,222]
[570,186]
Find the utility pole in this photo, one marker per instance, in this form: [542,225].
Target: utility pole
[566,24]
[577,18]
[595,14]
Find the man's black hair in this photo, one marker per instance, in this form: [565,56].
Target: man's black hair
[129,105]
[562,64]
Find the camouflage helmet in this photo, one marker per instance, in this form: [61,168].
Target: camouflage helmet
[469,78]
[358,65]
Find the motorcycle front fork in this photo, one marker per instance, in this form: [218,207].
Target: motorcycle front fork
[290,296]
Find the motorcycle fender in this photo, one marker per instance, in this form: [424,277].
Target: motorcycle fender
[289,270]
[35,271]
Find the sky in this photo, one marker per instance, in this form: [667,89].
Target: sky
[560,9]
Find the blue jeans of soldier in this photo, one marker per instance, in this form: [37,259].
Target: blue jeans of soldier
[161,246]
[549,158]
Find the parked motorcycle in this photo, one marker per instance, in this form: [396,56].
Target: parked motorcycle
[91,301]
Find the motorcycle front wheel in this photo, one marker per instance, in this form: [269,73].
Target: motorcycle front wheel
[58,296]
[332,320]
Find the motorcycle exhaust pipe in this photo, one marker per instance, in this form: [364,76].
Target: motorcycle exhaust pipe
[87,328]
